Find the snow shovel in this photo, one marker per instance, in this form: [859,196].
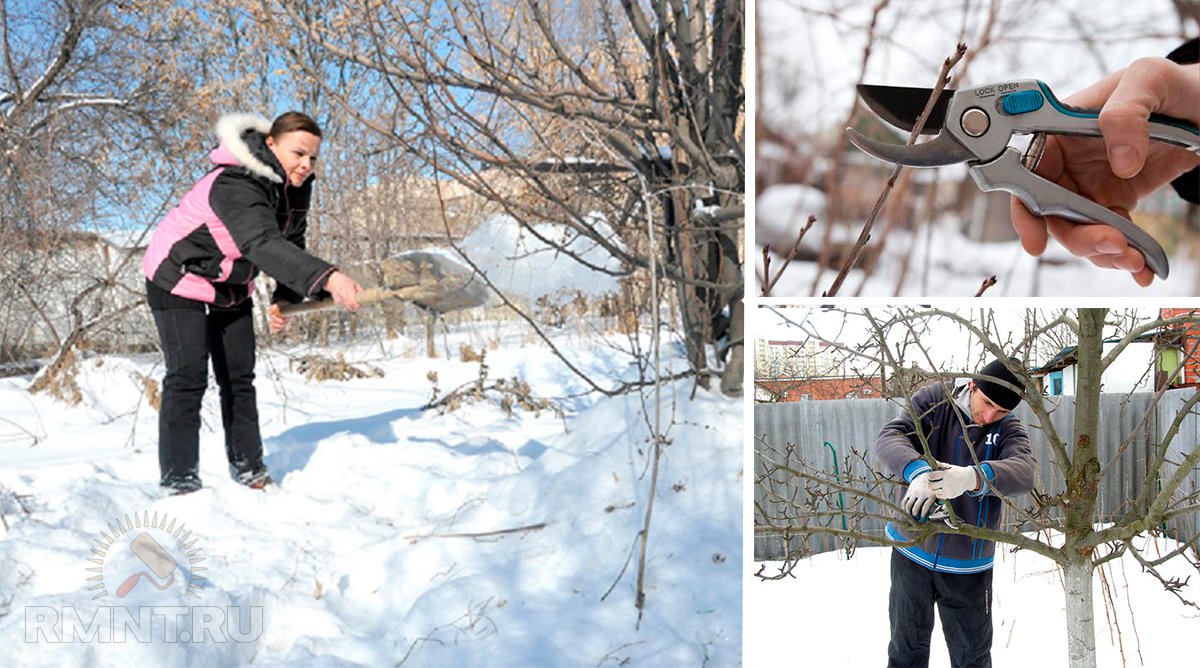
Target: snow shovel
[431,280]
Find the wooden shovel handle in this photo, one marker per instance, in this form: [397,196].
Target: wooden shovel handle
[365,297]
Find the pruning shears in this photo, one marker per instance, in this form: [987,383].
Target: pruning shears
[939,514]
[975,125]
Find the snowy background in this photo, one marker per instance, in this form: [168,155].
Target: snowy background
[363,556]
[945,262]
[521,264]
[810,54]
[483,534]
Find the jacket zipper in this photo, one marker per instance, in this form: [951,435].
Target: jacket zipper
[250,276]
[287,205]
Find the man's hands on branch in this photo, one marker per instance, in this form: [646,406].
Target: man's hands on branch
[1120,170]
[951,482]
[919,498]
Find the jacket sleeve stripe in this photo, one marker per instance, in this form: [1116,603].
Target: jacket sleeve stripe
[986,476]
[916,468]
[312,289]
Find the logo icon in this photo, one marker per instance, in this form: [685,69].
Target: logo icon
[152,567]
[146,550]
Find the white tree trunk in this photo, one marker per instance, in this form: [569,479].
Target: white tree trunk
[1081,627]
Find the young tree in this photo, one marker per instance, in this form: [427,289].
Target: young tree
[799,498]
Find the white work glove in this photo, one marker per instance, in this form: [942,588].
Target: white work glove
[919,498]
[951,481]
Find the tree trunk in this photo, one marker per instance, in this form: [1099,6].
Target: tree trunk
[1082,477]
[731,379]
[430,330]
[684,254]
[1081,627]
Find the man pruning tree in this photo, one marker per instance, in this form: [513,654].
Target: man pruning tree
[981,450]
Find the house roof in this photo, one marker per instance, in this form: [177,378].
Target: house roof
[1069,356]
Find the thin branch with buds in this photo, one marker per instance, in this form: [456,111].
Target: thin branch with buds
[865,234]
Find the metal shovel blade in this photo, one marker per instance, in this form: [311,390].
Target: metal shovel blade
[439,282]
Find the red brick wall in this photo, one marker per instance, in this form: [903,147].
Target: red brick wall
[1191,344]
[823,388]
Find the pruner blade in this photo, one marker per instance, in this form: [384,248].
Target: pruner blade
[940,151]
[901,106]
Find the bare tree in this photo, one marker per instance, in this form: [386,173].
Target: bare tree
[89,101]
[559,112]
[796,497]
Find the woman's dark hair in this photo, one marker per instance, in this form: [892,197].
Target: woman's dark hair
[293,121]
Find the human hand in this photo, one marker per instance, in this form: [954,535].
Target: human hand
[1120,170]
[919,498]
[344,290]
[278,320]
[951,481]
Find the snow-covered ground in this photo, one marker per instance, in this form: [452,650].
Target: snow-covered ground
[396,535]
[840,607]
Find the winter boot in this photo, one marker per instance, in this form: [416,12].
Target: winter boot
[255,479]
[181,485]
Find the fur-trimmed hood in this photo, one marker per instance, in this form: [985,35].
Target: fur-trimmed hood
[238,219]
[234,149]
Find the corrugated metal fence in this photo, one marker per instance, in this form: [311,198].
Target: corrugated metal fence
[795,433]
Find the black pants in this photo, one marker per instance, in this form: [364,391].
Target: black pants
[191,332]
[964,605]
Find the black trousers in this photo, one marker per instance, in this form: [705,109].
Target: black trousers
[191,333]
[964,605]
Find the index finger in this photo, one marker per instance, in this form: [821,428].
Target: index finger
[1125,117]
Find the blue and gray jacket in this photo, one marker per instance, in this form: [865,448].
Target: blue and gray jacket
[1006,465]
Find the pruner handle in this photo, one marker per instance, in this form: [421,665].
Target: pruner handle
[1062,118]
[1046,198]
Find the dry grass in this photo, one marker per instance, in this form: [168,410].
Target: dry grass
[59,379]
[321,368]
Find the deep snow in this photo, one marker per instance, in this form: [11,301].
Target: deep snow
[834,612]
[364,554]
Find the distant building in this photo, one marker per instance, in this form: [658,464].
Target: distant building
[1181,347]
[1169,357]
[799,370]
[774,358]
[820,389]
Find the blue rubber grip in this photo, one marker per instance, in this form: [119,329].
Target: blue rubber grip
[1079,112]
[1022,102]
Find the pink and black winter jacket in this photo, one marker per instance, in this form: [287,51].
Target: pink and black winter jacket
[1006,466]
[240,218]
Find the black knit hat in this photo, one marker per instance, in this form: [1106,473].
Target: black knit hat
[1002,396]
